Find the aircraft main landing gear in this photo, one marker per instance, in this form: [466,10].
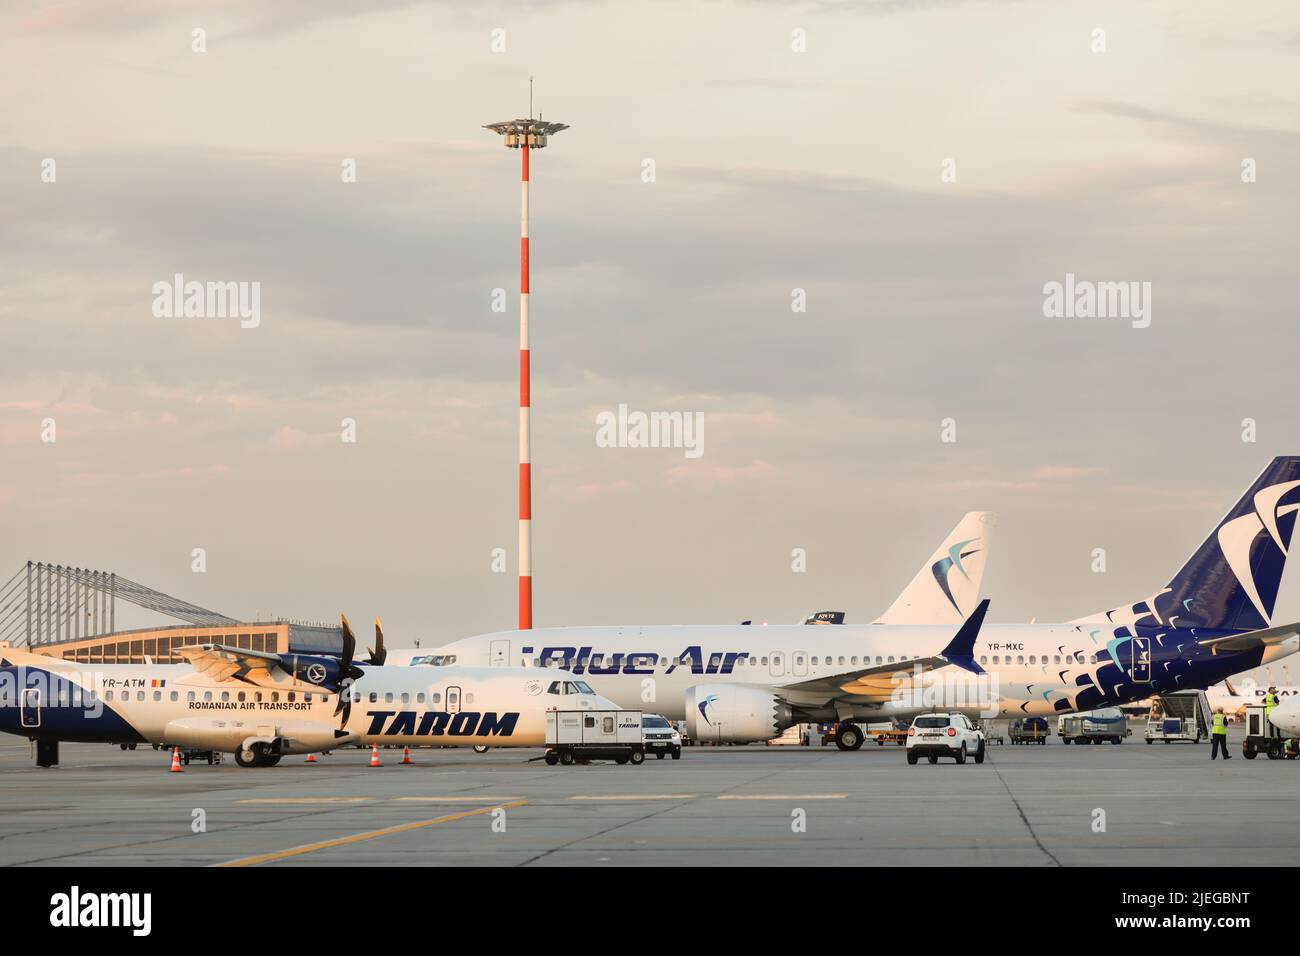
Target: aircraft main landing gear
[849,737]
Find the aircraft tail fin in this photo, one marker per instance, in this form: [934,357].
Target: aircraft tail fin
[947,588]
[1232,580]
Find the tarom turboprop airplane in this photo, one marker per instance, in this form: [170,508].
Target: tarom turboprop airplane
[744,683]
[261,706]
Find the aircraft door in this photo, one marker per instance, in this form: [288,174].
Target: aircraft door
[30,707]
[500,654]
[453,700]
[1140,666]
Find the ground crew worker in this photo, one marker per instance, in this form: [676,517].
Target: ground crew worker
[1219,735]
[1270,701]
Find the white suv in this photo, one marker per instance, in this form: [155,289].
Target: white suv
[944,735]
[661,738]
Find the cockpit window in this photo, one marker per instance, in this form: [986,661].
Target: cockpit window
[569,687]
[434,660]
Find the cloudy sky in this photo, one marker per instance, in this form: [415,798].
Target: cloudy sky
[775,169]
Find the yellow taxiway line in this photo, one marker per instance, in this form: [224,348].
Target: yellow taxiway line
[367,835]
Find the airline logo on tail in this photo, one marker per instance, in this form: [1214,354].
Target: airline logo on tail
[1232,580]
[947,587]
[943,566]
[1237,538]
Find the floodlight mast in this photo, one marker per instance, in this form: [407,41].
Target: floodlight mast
[525,135]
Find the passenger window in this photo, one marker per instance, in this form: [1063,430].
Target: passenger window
[814,662]
[175,696]
[764,660]
[406,698]
[878,660]
[207,695]
[275,697]
[469,699]
[225,695]
[240,697]
[157,695]
[291,697]
[1020,658]
[436,697]
[891,658]
[419,698]
[388,698]
[374,698]
[1033,659]
[108,695]
[139,695]
[189,695]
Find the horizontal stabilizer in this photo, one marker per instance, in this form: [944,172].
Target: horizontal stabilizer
[1265,637]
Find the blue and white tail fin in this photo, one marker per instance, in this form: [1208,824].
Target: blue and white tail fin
[1232,580]
[947,588]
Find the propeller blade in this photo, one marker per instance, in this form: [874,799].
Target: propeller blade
[348,671]
[349,642]
[378,655]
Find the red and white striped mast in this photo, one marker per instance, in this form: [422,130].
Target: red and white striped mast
[525,135]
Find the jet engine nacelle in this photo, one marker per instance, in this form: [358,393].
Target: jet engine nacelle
[728,713]
[227,735]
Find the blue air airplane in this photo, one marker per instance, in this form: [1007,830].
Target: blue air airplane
[738,683]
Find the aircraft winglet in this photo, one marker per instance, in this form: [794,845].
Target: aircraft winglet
[959,651]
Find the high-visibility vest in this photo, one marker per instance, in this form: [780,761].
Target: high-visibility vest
[1270,701]
[1220,724]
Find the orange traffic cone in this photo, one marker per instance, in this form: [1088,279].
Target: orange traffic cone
[374,756]
[176,761]
[311,758]
[406,755]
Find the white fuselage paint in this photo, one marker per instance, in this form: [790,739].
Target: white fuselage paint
[1030,667]
[437,700]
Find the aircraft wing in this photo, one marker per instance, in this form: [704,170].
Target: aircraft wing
[259,668]
[1265,637]
[879,679]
